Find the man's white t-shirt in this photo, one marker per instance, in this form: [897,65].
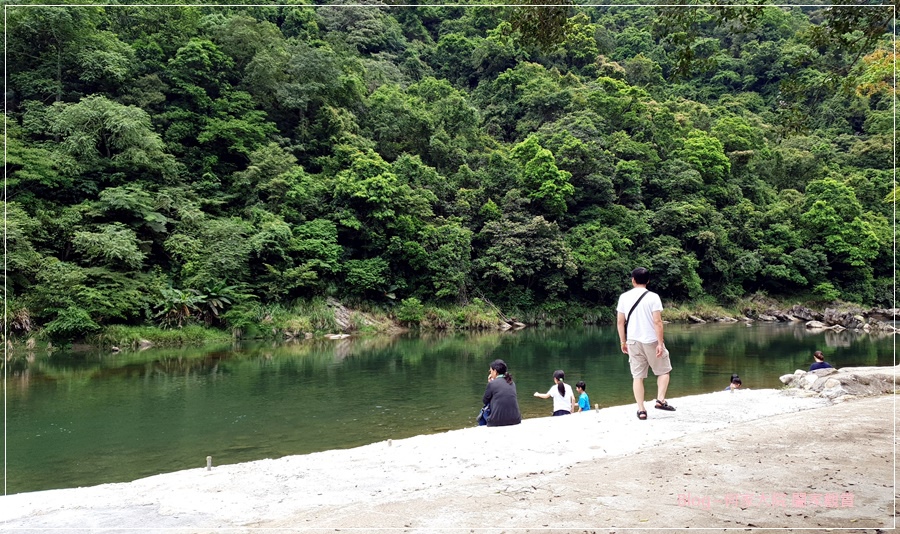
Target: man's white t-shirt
[640,325]
[561,402]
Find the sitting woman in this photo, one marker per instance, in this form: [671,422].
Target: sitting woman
[500,396]
[735,383]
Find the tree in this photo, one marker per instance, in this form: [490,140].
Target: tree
[241,37]
[210,250]
[448,258]
[832,212]
[603,256]
[200,73]
[849,238]
[706,155]
[367,28]
[526,251]
[541,23]
[50,45]
[115,245]
[541,178]
[99,134]
[397,123]
[370,197]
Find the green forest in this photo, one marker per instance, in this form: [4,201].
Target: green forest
[221,166]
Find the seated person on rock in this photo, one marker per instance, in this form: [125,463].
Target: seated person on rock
[820,362]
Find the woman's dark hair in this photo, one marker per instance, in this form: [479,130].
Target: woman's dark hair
[735,379]
[500,367]
[559,375]
[581,385]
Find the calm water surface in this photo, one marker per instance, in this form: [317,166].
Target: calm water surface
[85,419]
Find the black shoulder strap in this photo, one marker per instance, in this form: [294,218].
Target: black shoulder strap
[632,309]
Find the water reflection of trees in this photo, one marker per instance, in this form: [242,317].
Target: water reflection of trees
[777,341]
[696,344]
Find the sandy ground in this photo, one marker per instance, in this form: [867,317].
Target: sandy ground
[754,459]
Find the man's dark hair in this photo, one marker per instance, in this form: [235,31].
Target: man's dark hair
[641,275]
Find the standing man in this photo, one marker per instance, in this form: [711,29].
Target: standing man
[640,326]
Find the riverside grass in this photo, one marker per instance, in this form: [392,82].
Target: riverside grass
[315,316]
[132,336]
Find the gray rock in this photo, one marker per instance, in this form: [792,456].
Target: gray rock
[769,318]
[804,313]
[849,319]
[809,380]
[841,384]
[816,325]
[695,319]
[883,314]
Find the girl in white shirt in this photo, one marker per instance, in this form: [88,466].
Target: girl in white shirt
[561,393]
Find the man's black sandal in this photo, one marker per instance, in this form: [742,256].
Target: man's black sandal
[642,415]
[664,405]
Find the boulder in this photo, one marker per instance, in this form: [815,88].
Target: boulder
[883,314]
[841,384]
[847,319]
[695,319]
[769,318]
[804,313]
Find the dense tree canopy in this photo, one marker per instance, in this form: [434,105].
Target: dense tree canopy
[166,164]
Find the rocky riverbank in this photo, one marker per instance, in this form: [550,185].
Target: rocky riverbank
[853,318]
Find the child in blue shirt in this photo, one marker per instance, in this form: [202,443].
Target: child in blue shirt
[584,404]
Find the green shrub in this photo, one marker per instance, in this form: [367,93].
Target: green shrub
[70,324]
[826,292]
[410,311]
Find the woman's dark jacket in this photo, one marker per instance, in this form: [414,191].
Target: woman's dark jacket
[501,396]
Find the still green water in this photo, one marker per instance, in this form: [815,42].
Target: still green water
[85,419]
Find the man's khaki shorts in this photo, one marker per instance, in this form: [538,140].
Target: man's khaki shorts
[642,356]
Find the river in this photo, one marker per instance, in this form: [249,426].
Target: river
[78,419]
